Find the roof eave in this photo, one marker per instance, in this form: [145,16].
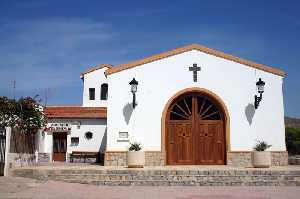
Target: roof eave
[201,48]
[92,69]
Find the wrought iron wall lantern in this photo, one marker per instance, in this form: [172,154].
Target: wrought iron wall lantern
[133,83]
[260,89]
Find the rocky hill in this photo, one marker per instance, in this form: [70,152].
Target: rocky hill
[292,122]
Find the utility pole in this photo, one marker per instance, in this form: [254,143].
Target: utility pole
[47,95]
[14,89]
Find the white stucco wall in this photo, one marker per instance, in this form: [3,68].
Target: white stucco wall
[97,143]
[158,81]
[94,80]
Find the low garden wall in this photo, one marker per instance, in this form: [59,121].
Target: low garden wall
[21,150]
[157,158]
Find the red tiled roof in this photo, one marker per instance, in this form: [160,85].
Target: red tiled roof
[75,112]
[96,68]
[198,47]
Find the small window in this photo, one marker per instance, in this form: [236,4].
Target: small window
[74,141]
[92,93]
[88,135]
[104,89]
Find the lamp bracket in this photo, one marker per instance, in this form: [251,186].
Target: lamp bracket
[257,100]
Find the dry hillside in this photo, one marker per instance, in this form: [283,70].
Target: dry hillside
[292,122]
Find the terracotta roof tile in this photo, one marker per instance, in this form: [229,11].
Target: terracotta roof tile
[201,48]
[95,68]
[75,112]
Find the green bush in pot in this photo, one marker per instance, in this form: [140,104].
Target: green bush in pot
[261,158]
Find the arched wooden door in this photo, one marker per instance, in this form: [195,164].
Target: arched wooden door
[195,131]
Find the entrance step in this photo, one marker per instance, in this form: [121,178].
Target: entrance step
[156,177]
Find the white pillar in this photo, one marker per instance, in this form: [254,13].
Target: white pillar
[37,144]
[68,143]
[50,146]
[7,148]
[36,156]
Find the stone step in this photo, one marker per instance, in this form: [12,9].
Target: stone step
[172,177]
[199,174]
[218,174]
[163,172]
[183,183]
[167,177]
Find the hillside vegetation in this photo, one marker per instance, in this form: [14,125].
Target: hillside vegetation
[292,135]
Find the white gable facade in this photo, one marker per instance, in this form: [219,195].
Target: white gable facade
[181,117]
[161,82]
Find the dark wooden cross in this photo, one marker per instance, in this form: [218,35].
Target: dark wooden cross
[195,69]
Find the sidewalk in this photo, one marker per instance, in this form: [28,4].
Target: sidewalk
[15,187]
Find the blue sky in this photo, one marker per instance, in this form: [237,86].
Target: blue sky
[46,44]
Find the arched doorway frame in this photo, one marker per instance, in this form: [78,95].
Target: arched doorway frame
[202,91]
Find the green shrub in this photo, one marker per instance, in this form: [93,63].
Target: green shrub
[261,146]
[292,140]
[135,147]
[25,114]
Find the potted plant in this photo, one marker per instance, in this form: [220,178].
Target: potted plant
[135,156]
[261,158]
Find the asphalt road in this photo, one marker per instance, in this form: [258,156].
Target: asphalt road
[15,187]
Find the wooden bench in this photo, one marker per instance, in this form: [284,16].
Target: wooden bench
[83,155]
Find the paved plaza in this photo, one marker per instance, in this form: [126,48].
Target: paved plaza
[16,187]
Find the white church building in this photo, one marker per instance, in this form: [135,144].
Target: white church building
[188,106]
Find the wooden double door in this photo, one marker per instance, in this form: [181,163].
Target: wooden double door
[195,132]
[59,146]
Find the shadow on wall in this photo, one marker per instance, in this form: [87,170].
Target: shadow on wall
[249,112]
[102,149]
[103,142]
[127,112]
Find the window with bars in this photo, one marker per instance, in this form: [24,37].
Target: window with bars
[74,141]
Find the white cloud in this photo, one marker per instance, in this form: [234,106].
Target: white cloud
[48,52]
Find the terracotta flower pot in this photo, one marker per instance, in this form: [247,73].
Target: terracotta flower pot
[135,159]
[261,159]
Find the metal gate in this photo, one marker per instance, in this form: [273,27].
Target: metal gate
[2,149]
